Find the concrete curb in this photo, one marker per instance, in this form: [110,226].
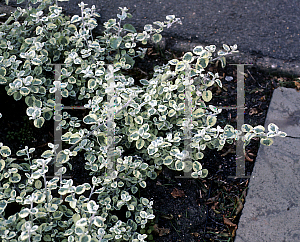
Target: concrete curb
[272,208]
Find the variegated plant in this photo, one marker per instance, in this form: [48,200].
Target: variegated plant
[150,122]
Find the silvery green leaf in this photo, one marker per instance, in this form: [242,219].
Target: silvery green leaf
[156,38]
[3,80]
[80,189]
[140,144]
[115,42]
[139,119]
[211,48]
[5,151]
[165,144]
[145,127]
[162,108]
[203,173]
[134,135]
[194,174]
[179,165]
[173,62]
[146,135]
[226,47]
[218,82]
[36,61]
[143,184]
[202,62]
[2,71]
[198,113]
[129,28]
[259,129]
[75,19]
[24,91]
[90,119]
[38,184]
[15,178]
[221,52]
[148,27]
[171,113]
[234,47]
[197,166]
[92,206]
[199,156]
[151,216]
[246,128]
[266,141]
[153,103]
[39,30]
[17,96]
[223,61]
[170,17]
[24,212]
[141,131]
[98,221]
[188,57]
[62,157]
[39,122]
[271,134]
[207,95]
[77,61]
[198,50]
[180,66]
[211,120]
[273,128]
[2,164]
[79,230]
[140,37]
[206,137]
[152,150]
[229,131]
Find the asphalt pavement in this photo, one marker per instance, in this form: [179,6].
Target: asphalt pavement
[267,32]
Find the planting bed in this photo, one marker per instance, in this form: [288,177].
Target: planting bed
[186,209]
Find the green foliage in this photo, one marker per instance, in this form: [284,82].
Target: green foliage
[149,120]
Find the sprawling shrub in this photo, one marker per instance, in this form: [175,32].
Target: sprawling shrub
[149,122]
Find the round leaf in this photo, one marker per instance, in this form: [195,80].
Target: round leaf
[266,141]
[206,96]
[198,50]
[115,42]
[179,165]
[39,122]
[204,173]
[197,166]
[5,151]
[38,184]
[140,144]
[188,57]
[90,119]
[180,66]
[81,222]
[15,178]
[211,120]
[156,38]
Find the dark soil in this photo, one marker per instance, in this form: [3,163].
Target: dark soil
[186,209]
